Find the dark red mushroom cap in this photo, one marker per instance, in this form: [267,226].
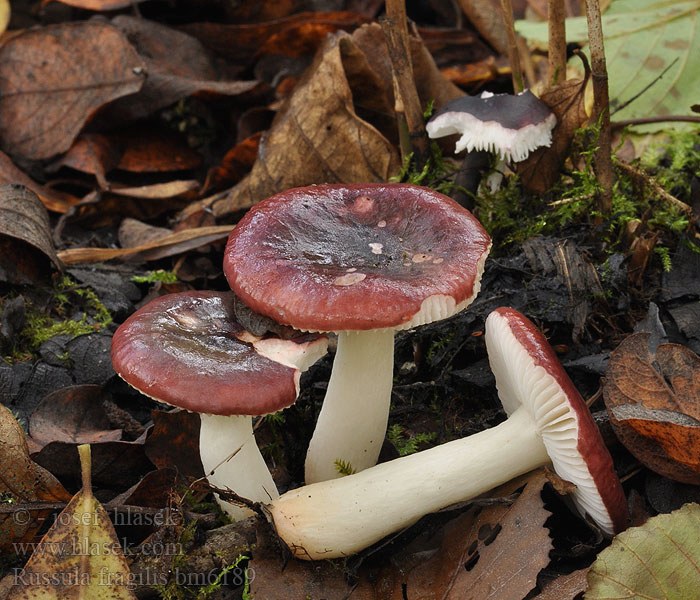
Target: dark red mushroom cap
[506,124]
[529,374]
[188,350]
[356,257]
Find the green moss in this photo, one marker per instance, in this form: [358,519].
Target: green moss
[407,444]
[344,467]
[42,325]
[159,275]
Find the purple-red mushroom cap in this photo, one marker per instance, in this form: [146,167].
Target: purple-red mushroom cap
[356,257]
[529,374]
[188,350]
[509,125]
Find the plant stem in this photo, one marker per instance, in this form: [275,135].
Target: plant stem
[407,104]
[602,161]
[557,42]
[513,54]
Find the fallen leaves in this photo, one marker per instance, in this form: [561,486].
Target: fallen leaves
[46,99]
[80,556]
[653,399]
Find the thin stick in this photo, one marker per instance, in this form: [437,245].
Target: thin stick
[407,103]
[641,177]
[659,119]
[513,54]
[557,42]
[602,161]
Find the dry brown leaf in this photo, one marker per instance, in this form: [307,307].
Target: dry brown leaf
[157,191]
[80,556]
[92,153]
[133,232]
[566,100]
[27,243]
[490,554]
[72,414]
[174,441]
[565,587]
[52,79]
[55,201]
[234,165]
[316,138]
[177,65]
[22,480]
[653,399]
[176,243]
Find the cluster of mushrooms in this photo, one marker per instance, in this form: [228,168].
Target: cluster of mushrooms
[362,261]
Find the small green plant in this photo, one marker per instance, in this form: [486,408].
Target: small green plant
[344,467]
[207,590]
[407,444]
[159,275]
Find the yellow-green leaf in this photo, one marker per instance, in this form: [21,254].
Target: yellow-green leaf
[659,560]
[79,557]
[642,38]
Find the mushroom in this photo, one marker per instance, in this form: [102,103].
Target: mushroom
[363,261]
[188,350]
[548,423]
[508,125]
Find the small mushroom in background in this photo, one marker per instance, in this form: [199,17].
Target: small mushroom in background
[188,350]
[363,261]
[548,423]
[507,125]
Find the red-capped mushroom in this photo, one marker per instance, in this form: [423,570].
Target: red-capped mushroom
[548,423]
[508,125]
[363,261]
[188,350]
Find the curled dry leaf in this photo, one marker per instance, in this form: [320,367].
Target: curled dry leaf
[316,138]
[25,234]
[653,399]
[567,101]
[24,482]
[52,80]
[80,555]
[170,245]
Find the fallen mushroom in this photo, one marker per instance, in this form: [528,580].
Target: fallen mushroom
[362,261]
[188,350]
[508,125]
[548,423]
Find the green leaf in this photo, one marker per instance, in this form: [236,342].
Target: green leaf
[659,560]
[642,38]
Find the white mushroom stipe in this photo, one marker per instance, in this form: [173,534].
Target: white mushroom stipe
[232,461]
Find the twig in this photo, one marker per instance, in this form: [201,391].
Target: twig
[556,16]
[641,177]
[659,119]
[513,54]
[602,160]
[407,103]
[646,87]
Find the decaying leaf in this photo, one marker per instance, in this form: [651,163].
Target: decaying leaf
[316,138]
[540,170]
[80,556]
[565,587]
[492,553]
[25,223]
[72,414]
[660,559]
[653,398]
[22,481]
[54,78]
[174,441]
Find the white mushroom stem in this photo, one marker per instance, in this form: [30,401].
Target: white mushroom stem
[353,420]
[337,518]
[232,460]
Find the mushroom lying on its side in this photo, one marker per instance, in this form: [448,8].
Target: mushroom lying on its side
[188,350]
[548,422]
